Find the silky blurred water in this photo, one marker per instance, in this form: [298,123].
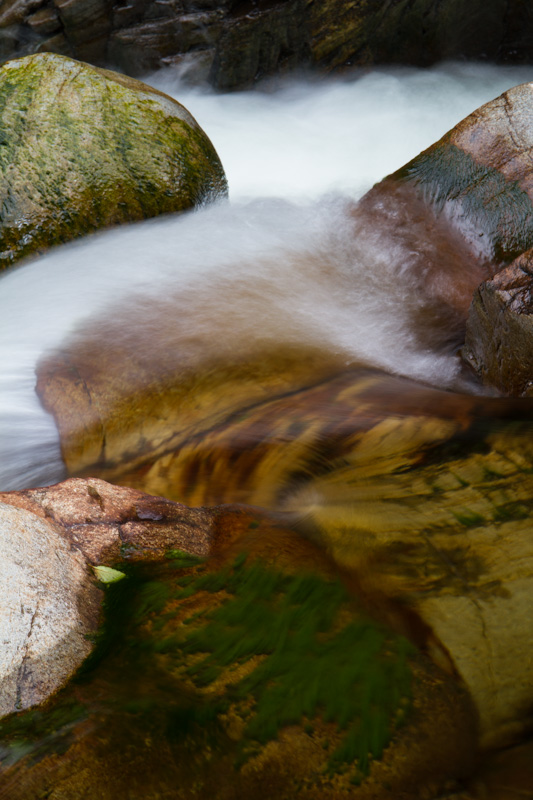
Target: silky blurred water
[282,259]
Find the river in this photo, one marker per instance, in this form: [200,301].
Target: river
[295,152]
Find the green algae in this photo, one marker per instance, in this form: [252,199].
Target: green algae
[355,674]
[298,650]
[82,150]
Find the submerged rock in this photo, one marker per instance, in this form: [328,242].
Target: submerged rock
[83,149]
[424,496]
[192,683]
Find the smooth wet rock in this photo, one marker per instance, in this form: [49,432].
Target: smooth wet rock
[499,331]
[466,205]
[478,181]
[179,389]
[84,149]
[480,177]
[49,606]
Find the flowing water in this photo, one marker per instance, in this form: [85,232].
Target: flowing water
[282,262]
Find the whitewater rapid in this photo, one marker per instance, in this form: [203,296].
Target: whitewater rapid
[280,258]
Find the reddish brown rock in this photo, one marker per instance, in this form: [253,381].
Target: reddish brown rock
[470,198]
[499,332]
[479,177]
[107,522]
[50,600]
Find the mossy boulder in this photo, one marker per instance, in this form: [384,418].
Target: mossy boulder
[83,149]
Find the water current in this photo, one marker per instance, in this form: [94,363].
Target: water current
[278,263]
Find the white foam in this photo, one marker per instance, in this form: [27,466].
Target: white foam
[291,247]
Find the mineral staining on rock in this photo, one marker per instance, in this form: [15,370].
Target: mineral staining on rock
[83,149]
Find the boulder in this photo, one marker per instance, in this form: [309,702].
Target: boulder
[84,149]
[470,196]
[49,607]
[477,179]
[499,331]
[51,603]
[479,176]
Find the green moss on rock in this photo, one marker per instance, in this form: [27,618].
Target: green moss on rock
[83,149]
[302,651]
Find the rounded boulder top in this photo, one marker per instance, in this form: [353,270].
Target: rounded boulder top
[83,148]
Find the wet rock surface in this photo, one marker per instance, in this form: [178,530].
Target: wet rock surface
[478,179]
[233,43]
[84,149]
[190,690]
[499,332]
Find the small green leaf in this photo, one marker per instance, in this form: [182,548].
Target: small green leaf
[108,575]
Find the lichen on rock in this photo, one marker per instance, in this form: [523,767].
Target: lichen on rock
[83,149]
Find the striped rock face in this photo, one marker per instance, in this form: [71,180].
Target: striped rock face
[478,179]
[83,149]
[480,175]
